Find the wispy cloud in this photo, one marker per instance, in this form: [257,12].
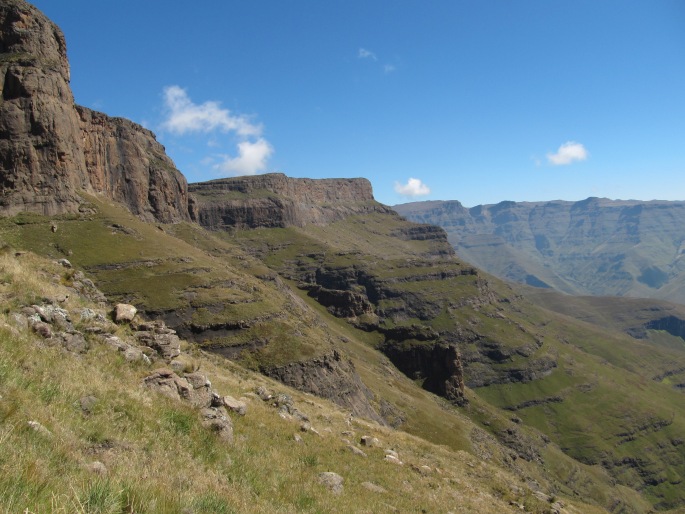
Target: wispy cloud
[413,187]
[366,54]
[567,153]
[183,116]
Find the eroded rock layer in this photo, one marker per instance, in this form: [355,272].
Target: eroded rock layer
[275,200]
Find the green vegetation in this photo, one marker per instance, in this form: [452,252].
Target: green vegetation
[546,389]
[135,450]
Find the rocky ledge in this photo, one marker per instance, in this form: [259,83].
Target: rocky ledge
[275,200]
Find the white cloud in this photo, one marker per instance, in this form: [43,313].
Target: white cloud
[413,187]
[366,54]
[568,153]
[389,68]
[251,159]
[185,116]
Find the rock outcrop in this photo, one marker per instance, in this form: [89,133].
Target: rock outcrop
[330,376]
[51,149]
[275,200]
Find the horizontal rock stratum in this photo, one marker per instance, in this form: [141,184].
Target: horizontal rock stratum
[275,200]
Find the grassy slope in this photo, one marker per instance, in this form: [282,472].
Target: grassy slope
[612,412]
[365,241]
[160,459]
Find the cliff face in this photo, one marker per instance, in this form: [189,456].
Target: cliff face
[40,170]
[595,246]
[127,164]
[50,149]
[274,200]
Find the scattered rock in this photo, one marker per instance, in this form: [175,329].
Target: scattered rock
[297,438]
[199,392]
[393,460]
[124,313]
[115,342]
[234,405]
[541,496]
[197,380]
[263,393]
[356,450]
[332,481]
[74,342]
[97,468]
[63,262]
[369,441]
[422,470]
[41,328]
[37,427]
[166,382]
[91,315]
[159,337]
[373,487]
[218,421]
[132,354]
[392,453]
[557,507]
[87,403]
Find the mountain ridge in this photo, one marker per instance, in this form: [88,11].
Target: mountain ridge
[318,285]
[595,246]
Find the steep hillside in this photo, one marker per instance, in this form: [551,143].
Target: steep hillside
[593,247]
[311,283]
[447,326]
[110,425]
[291,341]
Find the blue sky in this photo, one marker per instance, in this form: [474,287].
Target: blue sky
[476,101]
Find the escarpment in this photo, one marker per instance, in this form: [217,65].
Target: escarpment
[51,150]
[275,200]
[42,167]
[596,246]
[126,163]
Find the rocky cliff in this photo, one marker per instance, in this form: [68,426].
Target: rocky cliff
[275,200]
[596,246]
[127,164]
[51,149]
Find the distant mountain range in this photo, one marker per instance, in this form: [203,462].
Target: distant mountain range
[493,403]
[595,246]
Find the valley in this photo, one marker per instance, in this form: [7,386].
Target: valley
[328,313]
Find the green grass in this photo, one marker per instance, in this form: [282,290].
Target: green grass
[159,458]
[210,279]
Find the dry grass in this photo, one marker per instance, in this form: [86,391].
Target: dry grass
[159,458]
